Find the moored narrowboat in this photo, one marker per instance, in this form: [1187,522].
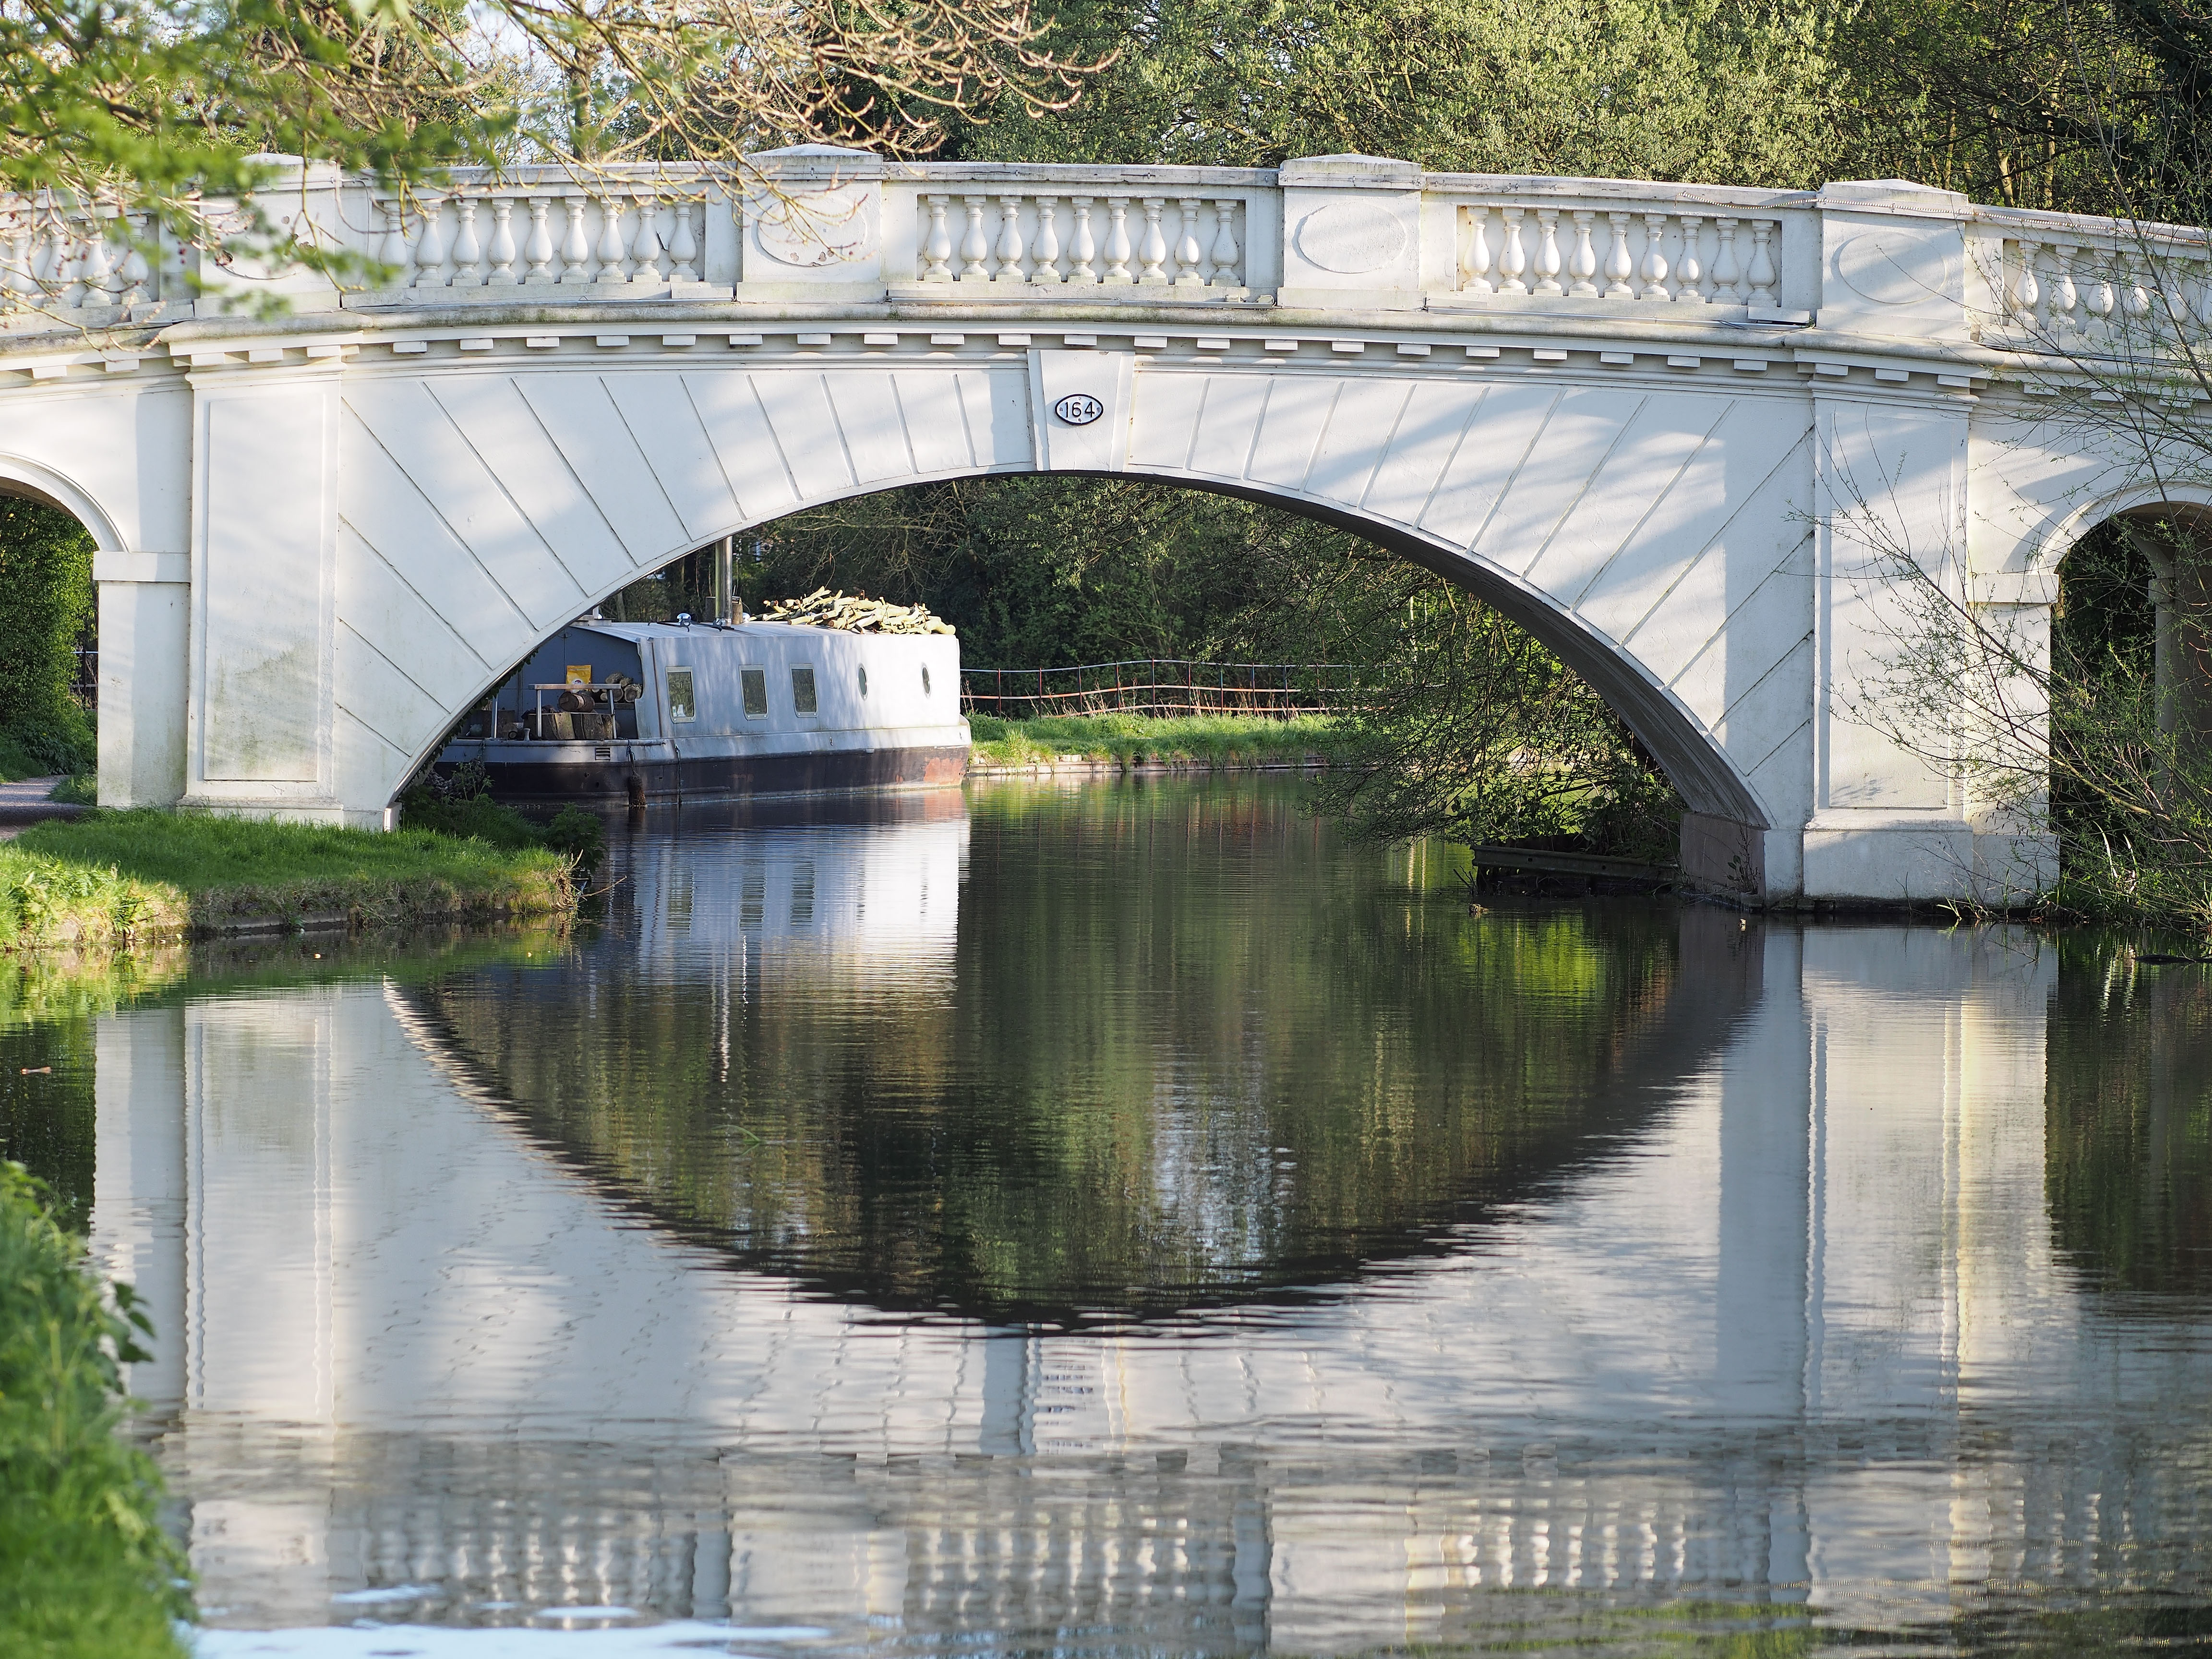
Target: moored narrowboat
[646,711]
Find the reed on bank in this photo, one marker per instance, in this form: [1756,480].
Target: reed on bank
[117,878]
[1213,740]
[86,1571]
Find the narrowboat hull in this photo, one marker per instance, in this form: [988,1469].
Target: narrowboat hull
[624,772]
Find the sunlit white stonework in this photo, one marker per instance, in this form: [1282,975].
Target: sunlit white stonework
[1676,430]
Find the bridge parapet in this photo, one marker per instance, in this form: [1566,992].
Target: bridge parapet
[820,225]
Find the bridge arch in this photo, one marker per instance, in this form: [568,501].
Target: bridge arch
[1650,534]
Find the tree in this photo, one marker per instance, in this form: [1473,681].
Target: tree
[169,109]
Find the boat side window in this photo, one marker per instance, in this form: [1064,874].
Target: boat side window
[864,681]
[681,704]
[925,679]
[802,691]
[755,681]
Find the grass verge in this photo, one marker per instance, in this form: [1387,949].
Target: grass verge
[86,1571]
[1213,740]
[111,879]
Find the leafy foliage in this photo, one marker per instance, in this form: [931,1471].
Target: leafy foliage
[85,1568]
[45,575]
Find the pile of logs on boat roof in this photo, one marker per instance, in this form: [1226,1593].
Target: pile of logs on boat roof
[854,613]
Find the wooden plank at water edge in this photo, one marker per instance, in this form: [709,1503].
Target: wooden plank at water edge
[1545,862]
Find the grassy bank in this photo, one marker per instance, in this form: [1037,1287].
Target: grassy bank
[1210,740]
[85,1570]
[115,877]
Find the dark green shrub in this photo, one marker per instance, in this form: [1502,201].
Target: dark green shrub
[45,606]
[85,1567]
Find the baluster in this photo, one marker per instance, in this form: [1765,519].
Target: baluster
[2135,291]
[15,276]
[1582,265]
[468,251]
[2026,293]
[683,251]
[1726,271]
[2064,295]
[1152,251]
[46,255]
[2197,306]
[502,251]
[2102,299]
[575,246]
[94,264]
[937,246]
[1011,248]
[1653,268]
[1118,253]
[645,247]
[1547,253]
[1081,249]
[1474,264]
[395,255]
[1618,267]
[71,261]
[1226,253]
[1763,274]
[1190,257]
[611,248]
[136,270]
[1689,271]
[975,247]
[1515,259]
[1044,253]
[537,248]
[430,247]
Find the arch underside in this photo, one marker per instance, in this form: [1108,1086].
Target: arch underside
[1649,539]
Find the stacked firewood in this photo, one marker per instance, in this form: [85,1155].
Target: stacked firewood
[854,613]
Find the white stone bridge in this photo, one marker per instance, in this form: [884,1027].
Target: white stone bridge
[1677,431]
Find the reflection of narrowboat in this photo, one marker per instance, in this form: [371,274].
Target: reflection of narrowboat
[646,710]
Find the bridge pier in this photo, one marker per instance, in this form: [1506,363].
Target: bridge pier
[145,647]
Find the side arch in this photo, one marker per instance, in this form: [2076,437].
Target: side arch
[34,481]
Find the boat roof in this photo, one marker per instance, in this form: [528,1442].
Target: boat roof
[633,632]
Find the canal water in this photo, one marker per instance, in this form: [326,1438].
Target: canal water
[1127,1219]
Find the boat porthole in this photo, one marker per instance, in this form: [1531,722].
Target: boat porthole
[863,682]
[925,679]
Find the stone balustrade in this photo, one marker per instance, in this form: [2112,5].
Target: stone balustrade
[75,258]
[1338,234]
[641,240]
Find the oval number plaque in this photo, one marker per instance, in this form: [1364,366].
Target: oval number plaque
[1078,409]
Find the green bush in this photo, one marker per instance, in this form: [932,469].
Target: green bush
[45,602]
[86,1571]
[459,803]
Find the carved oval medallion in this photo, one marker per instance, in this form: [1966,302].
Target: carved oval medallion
[1078,409]
[817,227]
[1894,270]
[1351,237]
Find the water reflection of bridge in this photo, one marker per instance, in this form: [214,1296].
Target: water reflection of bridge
[1806,1340]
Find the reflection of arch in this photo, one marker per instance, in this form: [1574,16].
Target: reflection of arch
[488,1034]
[30,480]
